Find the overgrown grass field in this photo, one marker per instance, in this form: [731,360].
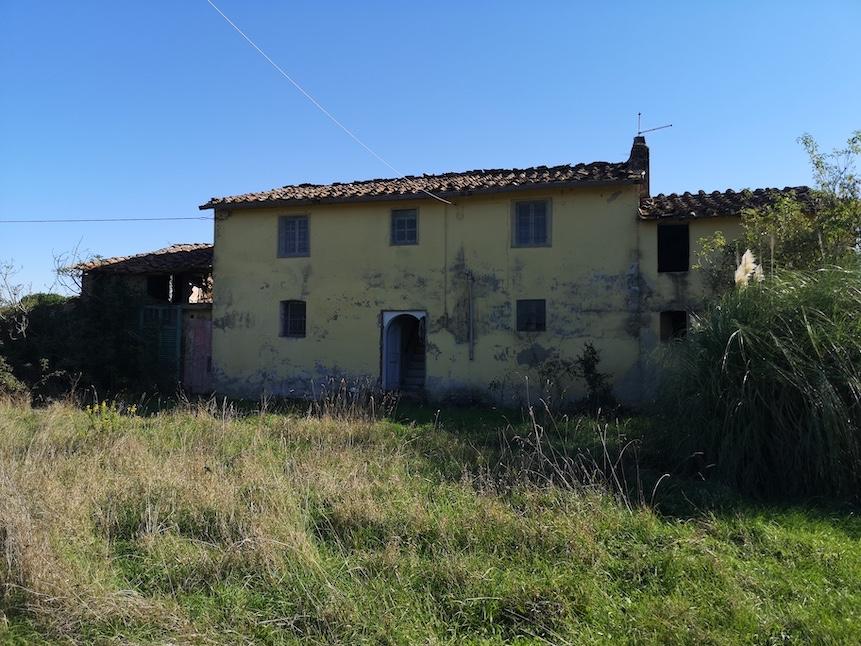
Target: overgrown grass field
[209,526]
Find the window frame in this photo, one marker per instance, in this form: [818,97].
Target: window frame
[284,330]
[517,305]
[664,227]
[282,220]
[393,213]
[549,219]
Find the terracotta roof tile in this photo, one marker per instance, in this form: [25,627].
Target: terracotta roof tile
[178,258]
[446,185]
[704,205]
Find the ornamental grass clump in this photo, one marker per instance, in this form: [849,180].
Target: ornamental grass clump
[765,391]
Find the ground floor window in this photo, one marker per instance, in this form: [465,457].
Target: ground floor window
[531,315]
[293,318]
[674,324]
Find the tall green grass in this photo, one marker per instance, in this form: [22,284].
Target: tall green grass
[207,525]
[765,391]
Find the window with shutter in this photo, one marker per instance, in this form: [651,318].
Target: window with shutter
[293,237]
[405,227]
[531,224]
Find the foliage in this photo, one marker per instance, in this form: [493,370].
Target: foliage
[767,386]
[835,172]
[202,526]
[791,235]
[599,393]
[13,317]
[785,235]
[794,234]
[559,372]
[52,343]
[105,417]
[41,354]
[717,258]
[9,383]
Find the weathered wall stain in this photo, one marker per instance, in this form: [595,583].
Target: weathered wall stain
[374,280]
[233,319]
[598,277]
[533,356]
[306,278]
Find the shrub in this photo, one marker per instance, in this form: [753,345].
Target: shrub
[9,384]
[767,386]
[558,372]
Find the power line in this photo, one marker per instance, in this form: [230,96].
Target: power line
[317,103]
[100,220]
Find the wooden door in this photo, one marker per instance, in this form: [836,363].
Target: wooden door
[392,352]
[197,353]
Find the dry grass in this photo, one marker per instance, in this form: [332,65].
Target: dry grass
[205,526]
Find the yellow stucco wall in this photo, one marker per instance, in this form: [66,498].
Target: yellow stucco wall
[599,278]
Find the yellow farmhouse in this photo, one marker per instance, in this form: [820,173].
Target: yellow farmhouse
[460,285]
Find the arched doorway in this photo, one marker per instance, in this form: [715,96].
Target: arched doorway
[403,352]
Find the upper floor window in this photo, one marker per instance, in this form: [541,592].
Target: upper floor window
[532,223]
[531,315]
[293,236]
[158,287]
[673,247]
[405,226]
[293,318]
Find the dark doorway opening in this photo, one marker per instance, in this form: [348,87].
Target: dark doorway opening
[404,354]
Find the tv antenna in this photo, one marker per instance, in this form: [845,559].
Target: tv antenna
[640,131]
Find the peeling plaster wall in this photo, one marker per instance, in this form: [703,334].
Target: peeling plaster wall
[590,277]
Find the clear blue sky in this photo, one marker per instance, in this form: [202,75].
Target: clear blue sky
[146,109]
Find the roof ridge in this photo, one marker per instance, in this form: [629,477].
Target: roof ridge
[731,191]
[729,202]
[467,182]
[450,173]
[179,247]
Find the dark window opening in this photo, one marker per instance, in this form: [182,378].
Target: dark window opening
[674,325]
[673,247]
[531,315]
[293,318]
[531,224]
[405,229]
[293,238]
[158,287]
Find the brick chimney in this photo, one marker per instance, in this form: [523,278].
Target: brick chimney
[639,161]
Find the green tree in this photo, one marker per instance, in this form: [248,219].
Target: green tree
[798,232]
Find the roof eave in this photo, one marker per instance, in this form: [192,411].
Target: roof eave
[113,269]
[221,204]
[686,216]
